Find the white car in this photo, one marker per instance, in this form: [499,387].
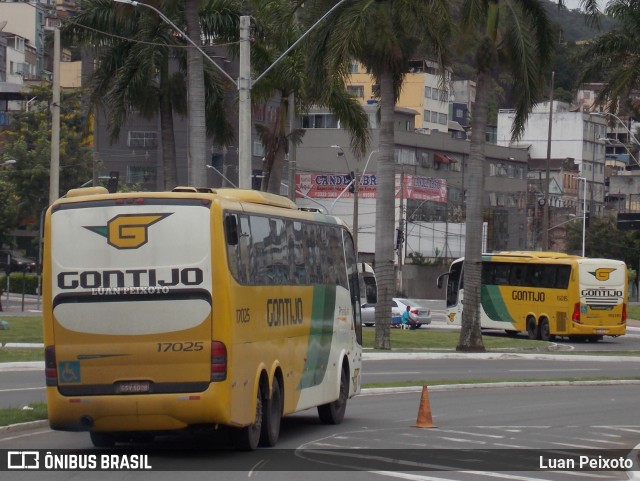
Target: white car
[420,314]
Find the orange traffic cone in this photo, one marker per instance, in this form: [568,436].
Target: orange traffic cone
[424,412]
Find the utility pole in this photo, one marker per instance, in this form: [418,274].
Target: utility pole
[54,168]
[545,212]
[244,106]
[356,190]
[400,237]
[292,147]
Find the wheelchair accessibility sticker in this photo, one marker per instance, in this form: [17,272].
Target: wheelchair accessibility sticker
[69,371]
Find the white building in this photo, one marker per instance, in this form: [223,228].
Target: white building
[578,135]
[27,20]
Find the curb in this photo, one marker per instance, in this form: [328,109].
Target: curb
[490,385]
[15,428]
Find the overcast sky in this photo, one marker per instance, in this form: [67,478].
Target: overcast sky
[572,4]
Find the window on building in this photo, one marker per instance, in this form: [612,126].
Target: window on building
[258,148]
[355,67]
[427,92]
[434,117]
[139,174]
[435,94]
[356,90]
[427,115]
[405,156]
[138,139]
[442,119]
[459,113]
[319,121]
[373,120]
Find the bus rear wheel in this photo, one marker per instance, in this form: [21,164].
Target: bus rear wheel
[533,329]
[333,412]
[248,437]
[271,417]
[545,330]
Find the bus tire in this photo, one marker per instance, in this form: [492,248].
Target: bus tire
[545,330]
[333,412]
[102,440]
[248,437]
[533,329]
[271,416]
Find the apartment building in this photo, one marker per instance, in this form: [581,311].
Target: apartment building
[574,134]
[431,179]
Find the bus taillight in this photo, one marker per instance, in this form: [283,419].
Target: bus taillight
[218,361]
[576,313]
[624,312]
[50,366]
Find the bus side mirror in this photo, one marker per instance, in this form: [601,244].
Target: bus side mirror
[439,280]
[231,229]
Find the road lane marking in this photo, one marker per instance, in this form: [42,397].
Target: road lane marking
[24,389]
[20,436]
[546,370]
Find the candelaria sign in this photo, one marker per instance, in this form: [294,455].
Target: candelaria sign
[329,186]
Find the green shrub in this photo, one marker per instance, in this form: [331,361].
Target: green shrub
[19,279]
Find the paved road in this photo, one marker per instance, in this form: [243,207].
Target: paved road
[480,434]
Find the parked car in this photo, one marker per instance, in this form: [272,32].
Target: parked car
[420,314]
[19,263]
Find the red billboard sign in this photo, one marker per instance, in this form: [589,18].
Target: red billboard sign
[330,186]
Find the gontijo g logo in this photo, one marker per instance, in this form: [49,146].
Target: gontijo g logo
[602,273]
[128,231]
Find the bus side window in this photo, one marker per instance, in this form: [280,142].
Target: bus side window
[231,229]
[244,246]
[231,233]
[517,275]
[562,277]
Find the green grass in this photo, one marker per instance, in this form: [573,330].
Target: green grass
[21,329]
[633,312]
[21,355]
[18,415]
[443,340]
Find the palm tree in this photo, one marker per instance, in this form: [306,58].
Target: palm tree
[132,69]
[516,36]
[277,27]
[384,36]
[133,52]
[613,58]
[195,79]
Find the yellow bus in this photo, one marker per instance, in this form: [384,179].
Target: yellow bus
[197,307]
[545,294]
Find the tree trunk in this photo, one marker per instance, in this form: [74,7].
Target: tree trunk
[196,99]
[470,333]
[169,167]
[385,215]
[280,130]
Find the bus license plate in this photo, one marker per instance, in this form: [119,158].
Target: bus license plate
[133,387]
[601,331]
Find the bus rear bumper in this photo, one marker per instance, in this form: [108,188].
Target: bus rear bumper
[139,412]
[590,330]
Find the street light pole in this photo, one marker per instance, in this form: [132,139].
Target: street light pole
[584,211]
[244,106]
[54,169]
[243,84]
